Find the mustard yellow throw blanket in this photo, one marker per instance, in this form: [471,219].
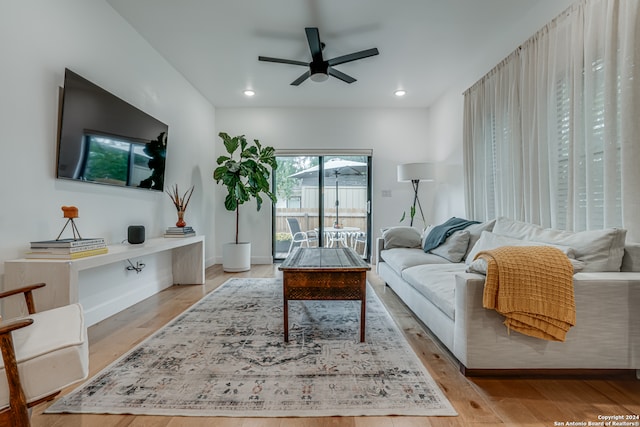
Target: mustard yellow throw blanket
[532,286]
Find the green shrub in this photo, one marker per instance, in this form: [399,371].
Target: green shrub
[283,237]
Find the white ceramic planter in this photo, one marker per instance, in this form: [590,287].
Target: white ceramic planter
[236,257]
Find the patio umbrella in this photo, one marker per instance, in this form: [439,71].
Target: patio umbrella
[334,168]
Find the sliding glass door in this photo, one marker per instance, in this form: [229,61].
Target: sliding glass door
[323,200]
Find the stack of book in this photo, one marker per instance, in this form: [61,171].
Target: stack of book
[179,232]
[67,248]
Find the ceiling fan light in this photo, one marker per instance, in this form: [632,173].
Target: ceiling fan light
[319,77]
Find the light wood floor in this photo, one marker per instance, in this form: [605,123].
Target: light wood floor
[481,402]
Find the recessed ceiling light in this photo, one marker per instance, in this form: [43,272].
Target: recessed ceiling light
[249,92]
[400,92]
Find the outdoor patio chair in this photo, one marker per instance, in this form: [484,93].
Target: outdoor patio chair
[42,354]
[300,237]
[337,239]
[359,240]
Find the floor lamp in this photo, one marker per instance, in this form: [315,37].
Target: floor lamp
[414,173]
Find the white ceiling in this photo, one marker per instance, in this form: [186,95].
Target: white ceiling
[424,45]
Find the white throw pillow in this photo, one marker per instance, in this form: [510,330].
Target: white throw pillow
[491,241]
[600,250]
[401,237]
[480,266]
[475,231]
[454,248]
[425,233]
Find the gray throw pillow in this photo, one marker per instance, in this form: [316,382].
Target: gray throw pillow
[455,247]
[401,237]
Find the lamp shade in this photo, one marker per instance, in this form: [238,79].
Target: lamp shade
[416,172]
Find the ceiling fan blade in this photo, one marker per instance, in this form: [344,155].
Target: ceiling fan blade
[282,61]
[300,79]
[353,56]
[313,37]
[340,75]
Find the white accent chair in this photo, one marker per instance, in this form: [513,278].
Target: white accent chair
[300,237]
[42,354]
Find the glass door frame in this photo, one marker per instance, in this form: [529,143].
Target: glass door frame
[321,205]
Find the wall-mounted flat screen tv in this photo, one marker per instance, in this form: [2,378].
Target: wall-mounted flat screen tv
[105,140]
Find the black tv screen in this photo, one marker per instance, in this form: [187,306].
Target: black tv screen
[105,140]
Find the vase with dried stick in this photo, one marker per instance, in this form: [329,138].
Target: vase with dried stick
[180,203]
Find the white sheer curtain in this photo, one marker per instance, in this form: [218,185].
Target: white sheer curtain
[552,133]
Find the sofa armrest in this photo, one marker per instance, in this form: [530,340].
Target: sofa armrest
[631,257]
[606,304]
[468,296]
[470,286]
[468,293]
[379,248]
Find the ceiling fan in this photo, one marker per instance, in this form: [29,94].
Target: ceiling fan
[319,68]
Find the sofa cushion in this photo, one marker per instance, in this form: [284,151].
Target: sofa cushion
[454,248]
[601,250]
[401,237]
[400,259]
[437,283]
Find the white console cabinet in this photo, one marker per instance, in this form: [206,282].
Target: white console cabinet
[64,279]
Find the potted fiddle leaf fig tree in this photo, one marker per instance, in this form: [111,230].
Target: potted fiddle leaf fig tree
[245,174]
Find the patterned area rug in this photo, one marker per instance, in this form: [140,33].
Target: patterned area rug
[225,356]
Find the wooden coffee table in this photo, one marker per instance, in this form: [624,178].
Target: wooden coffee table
[324,274]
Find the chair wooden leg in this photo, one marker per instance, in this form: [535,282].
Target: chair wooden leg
[18,415]
[31,306]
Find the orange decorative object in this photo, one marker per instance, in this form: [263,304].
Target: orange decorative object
[70,211]
[181,222]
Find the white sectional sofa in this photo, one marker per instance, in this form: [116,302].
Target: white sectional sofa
[448,299]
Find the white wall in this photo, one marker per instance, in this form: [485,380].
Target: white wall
[38,39]
[395,136]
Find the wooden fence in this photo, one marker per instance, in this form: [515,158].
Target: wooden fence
[309,220]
